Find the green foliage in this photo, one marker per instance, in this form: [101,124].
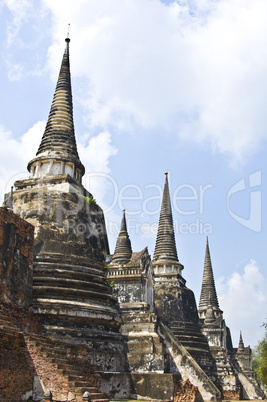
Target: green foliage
[105,267]
[110,284]
[259,361]
[90,200]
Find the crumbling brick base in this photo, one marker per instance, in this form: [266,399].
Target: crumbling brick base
[184,391]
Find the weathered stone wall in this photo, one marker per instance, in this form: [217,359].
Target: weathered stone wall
[128,291]
[146,351]
[66,219]
[16,259]
[175,303]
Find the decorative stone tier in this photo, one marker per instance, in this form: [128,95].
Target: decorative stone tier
[59,278]
[76,306]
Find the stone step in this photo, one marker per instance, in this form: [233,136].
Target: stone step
[39,340]
[197,345]
[187,338]
[8,324]
[5,319]
[97,395]
[191,331]
[10,331]
[191,334]
[48,344]
[77,384]
[82,384]
[82,390]
[100,400]
[55,351]
[74,377]
[66,367]
[199,353]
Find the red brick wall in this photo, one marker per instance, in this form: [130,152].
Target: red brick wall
[16,373]
[16,259]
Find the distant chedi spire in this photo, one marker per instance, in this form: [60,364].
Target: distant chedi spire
[165,248]
[123,249]
[208,296]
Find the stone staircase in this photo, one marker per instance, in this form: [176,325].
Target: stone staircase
[70,367]
[191,337]
[248,379]
[188,367]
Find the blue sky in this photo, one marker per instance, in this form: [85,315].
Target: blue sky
[177,86]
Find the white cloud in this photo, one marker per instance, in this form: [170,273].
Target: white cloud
[243,298]
[20,10]
[15,154]
[95,156]
[197,70]
[194,69]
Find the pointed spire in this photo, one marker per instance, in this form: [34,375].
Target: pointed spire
[58,142]
[241,343]
[165,244]
[123,249]
[208,291]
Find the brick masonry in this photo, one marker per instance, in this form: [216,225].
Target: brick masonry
[16,259]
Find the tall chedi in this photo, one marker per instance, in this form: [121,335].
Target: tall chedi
[175,304]
[210,314]
[70,289]
[173,300]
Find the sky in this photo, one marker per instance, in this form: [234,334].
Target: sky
[158,86]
